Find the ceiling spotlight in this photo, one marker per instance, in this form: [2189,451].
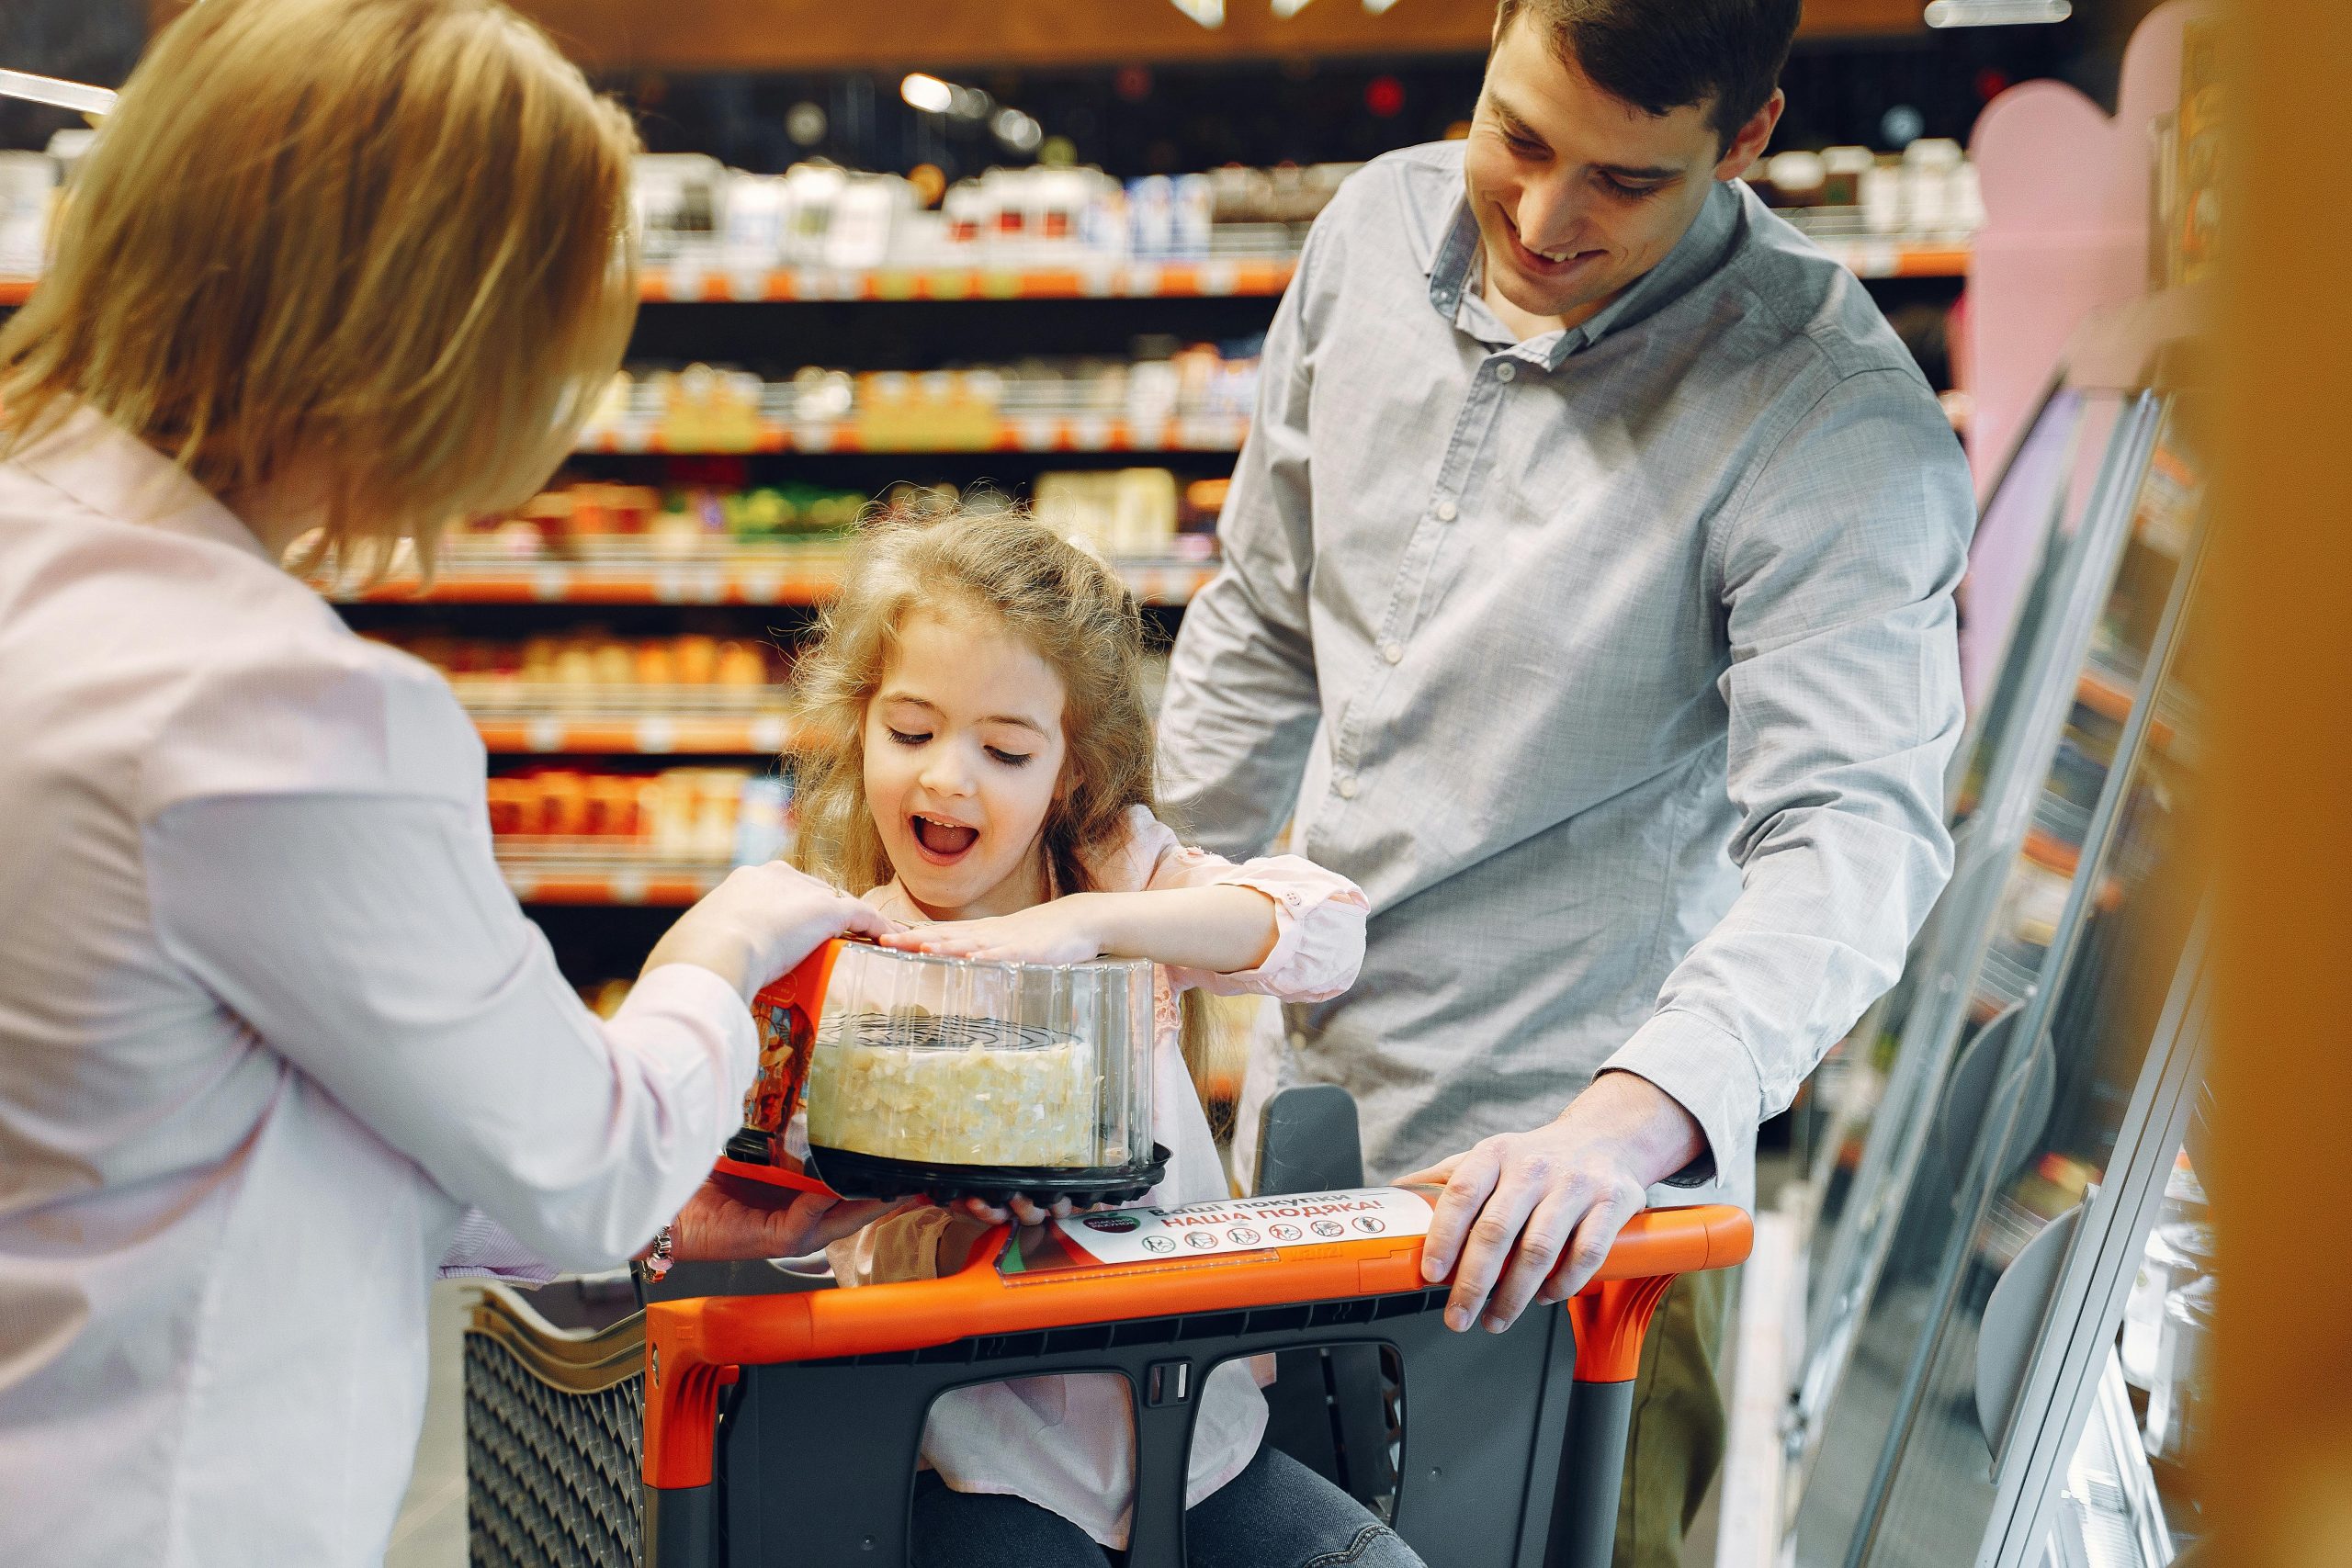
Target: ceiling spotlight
[1378,7]
[928,94]
[806,124]
[1017,130]
[1285,9]
[1208,13]
[1994,13]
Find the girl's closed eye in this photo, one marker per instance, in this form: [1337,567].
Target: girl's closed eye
[907,738]
[1010,759]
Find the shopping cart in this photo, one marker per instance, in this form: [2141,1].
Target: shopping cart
[782,1428]
[1510,1453]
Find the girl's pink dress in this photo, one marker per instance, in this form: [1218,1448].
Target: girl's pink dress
[1068,1443]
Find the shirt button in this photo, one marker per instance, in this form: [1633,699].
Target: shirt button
[1504,372]
[1447,512]
[1392,651]
[1347,788]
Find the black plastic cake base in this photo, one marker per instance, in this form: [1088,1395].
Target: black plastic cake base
[871,1175]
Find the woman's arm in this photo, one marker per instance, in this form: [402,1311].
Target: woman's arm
[369,940]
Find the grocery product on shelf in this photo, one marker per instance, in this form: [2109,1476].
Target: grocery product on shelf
[28,192]
[494,673]
[692,816]
[587,691]
[697,213]
[1128,511]
[581,516]
[775,545]
[1927,192]
[1195,397]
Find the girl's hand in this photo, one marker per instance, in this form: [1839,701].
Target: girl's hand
[1066,931]
[1021,1211]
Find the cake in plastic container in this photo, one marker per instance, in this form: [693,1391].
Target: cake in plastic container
[955,1078]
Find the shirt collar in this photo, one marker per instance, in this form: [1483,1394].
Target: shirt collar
[1454,271]
[115,474]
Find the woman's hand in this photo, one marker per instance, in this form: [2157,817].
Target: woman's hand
[1064,930]
[717,1226]
[760,923]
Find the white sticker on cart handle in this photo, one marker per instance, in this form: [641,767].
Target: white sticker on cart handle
[1246,1225]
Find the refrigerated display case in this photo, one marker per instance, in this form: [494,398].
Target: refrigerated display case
[1990,1147]
[2066,471]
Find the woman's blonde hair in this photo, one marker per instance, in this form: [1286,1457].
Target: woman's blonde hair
[1073,610]
[381,246]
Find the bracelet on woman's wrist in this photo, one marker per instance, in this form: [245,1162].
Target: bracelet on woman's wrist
[658,1258]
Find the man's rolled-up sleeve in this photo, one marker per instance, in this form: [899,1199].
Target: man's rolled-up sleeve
[1837,571]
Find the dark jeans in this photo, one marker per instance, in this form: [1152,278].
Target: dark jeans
[1275,1514]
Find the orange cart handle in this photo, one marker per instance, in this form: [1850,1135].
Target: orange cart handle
[694,1346]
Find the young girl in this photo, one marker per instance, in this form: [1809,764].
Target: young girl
[978,760]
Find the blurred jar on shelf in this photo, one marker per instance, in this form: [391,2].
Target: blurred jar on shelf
[2179,1249]
[2179,1398]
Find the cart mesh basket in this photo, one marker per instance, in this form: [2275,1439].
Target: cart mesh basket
[554,1422]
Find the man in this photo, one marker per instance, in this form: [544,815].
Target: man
[1586,598]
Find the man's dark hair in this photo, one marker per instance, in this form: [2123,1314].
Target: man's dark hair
[1662,55]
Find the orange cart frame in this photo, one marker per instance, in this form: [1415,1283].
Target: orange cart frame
[782,1429]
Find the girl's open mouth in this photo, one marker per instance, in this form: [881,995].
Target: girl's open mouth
[942,843]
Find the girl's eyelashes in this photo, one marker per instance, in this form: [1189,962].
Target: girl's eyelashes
[923,738]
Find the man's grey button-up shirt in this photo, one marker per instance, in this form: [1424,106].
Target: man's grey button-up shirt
[1617,665]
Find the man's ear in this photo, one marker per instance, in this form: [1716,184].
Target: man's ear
[1753,137]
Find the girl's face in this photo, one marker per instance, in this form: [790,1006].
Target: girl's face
[964,756]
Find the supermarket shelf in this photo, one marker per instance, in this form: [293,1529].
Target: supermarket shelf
[647,736]
[564,876]
[1900,258]
[1063,433]
[787,578]
[2054,854]
[2106,693]
[2110,1514]
[638,719]
[1211,278]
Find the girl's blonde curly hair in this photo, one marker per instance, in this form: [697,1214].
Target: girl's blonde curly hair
[1075,612]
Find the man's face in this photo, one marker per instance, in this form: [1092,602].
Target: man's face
[1577,192]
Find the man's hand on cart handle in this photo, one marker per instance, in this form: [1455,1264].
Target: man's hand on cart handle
[718,1226]
[1549,1202]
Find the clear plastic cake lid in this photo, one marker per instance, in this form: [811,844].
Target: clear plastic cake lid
[946,1075]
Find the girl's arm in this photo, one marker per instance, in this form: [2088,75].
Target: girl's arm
[1282,926]
[1221,929]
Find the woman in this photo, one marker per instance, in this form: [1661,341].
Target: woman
[275,1040]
